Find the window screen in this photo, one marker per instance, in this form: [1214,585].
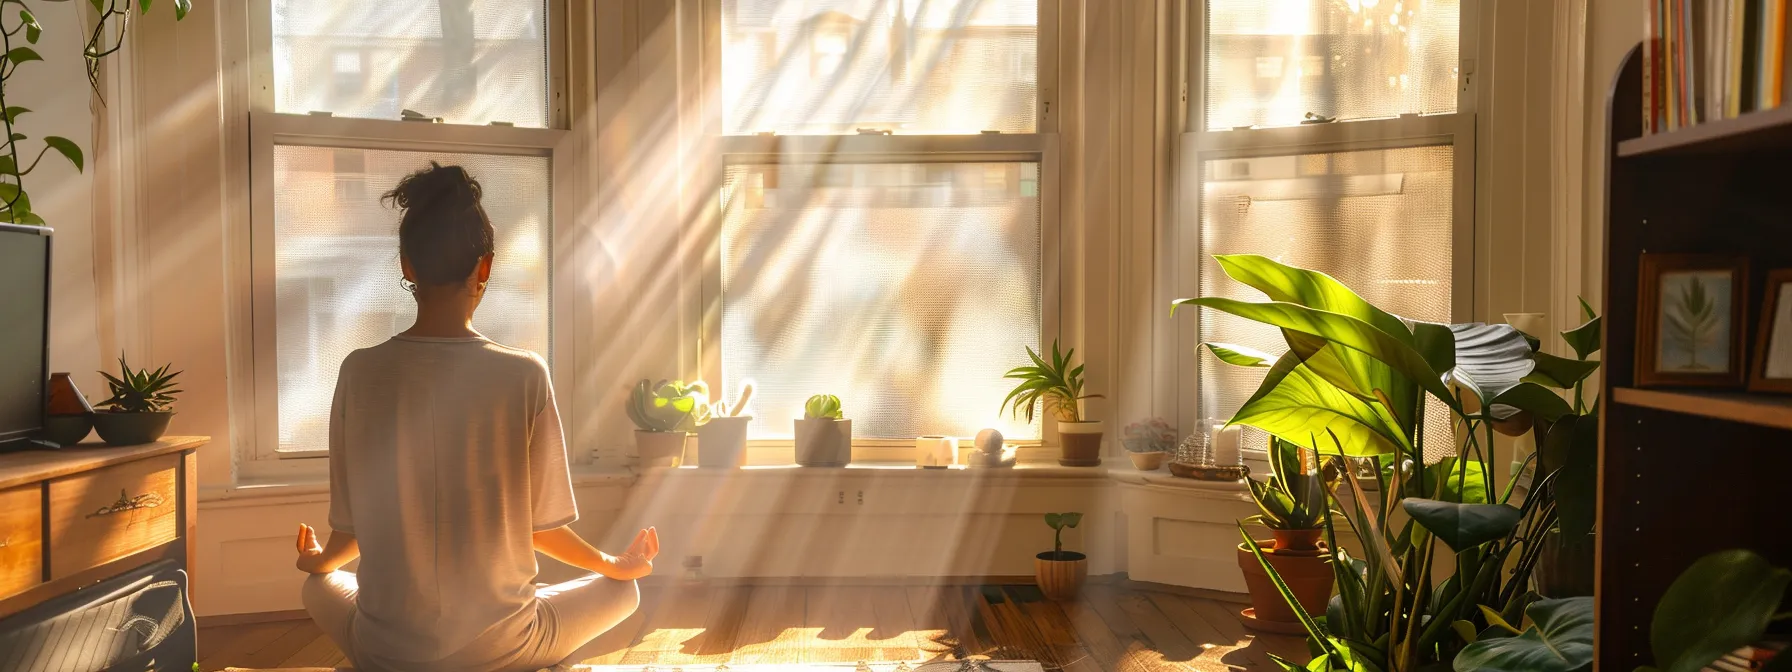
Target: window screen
[1379,221]
[906,289]
[1270,62]
[336,268]
[819,67]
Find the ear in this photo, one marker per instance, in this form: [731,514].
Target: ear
[405,267]
[484,270]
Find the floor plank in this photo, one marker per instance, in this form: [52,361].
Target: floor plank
[1110,629]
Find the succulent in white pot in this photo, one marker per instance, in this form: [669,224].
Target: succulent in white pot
[824,435]
[664,415]
[1148,442]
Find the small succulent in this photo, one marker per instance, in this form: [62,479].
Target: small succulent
[674,406]
[823,406]
[1152,435]
[1297,493]
[140,391]
[1059,521]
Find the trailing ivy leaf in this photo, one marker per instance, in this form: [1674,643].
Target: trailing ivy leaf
[98,5]
[22,54]
[1723,601]
[1238,355]
[1560,639]
[7,167]
[13,112]
[1560,371]
[68,148]
[1463,526]
[181,7]
[143,6]
[32,29]
[1584,339]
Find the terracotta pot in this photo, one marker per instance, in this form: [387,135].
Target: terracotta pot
[130,429]
[1061,575]
[1297,540]
[1151,461]
[823,442]
[722,442]
[660,449]
[1081,443]
[1307,573]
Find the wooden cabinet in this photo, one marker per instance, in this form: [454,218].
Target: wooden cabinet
[76,516]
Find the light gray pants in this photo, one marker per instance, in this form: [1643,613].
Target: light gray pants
[573,614]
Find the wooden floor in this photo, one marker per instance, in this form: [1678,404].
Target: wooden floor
[1110,628]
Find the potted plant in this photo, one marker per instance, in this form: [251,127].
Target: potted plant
[1061,573]
[1058,386]
[138,411]
[722,442]
[823,436]
[664,415]
[1147,442]
[1293,505]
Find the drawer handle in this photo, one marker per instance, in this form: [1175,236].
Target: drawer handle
[147,500]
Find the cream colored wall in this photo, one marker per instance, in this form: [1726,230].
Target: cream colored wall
[1613,28]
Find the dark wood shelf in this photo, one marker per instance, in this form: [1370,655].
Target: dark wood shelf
[1743,407]
[1765,130]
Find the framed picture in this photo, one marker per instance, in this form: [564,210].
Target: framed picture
[1691,317]
[1773,349]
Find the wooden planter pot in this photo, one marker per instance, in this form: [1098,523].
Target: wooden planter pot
[1061,575]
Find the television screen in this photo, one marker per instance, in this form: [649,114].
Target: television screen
[24,322]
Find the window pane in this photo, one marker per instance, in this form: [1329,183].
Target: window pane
[466,61]
[336,266]
[1379,221]
[909,66]
[1269,62]
[906,289]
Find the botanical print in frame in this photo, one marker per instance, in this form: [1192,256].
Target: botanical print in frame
[1773,348]
[1690,320]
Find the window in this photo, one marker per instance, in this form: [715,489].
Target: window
[1376,193]
[903,266]
[334,80]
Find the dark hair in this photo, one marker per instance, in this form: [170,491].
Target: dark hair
[443,231]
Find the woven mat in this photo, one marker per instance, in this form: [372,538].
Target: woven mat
[944,666]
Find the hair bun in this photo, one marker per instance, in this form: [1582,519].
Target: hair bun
[444,230]
[438,186]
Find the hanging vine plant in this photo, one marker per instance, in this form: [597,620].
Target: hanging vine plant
[15,202]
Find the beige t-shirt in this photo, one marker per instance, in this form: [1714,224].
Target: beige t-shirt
[445,456]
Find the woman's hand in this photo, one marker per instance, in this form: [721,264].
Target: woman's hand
[309,550]
[637,561]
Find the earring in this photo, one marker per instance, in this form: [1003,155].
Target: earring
[407,285]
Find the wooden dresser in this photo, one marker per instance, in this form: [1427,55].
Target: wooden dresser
[76,516]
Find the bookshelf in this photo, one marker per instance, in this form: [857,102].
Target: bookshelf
[1685,472]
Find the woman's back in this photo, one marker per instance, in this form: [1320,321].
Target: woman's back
[446,454]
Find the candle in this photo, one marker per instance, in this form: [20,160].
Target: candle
[1225,446]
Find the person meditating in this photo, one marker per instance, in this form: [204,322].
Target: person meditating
[448,472]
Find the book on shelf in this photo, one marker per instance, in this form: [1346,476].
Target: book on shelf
[1705,60]
[1748,658]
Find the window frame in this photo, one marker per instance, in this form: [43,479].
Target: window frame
[703,58]
[261,457]
[1196,145]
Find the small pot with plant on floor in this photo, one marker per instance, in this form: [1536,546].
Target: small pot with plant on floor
[138,411]
[1148,442]
[1293,504]
[664,415]
[823,436]
[1058,387]
[1061,573]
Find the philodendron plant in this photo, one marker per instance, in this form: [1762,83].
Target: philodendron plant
[1354,382]
[674,406]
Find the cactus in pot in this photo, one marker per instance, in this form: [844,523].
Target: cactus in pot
[665,413]
[824,435]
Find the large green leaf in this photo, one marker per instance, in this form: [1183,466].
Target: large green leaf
[1238,355]
[1463,481]
[1560,639]
[68,148]
[1584,339]
[1298,406]
[1560,371]
[1538,400]
[1723,601]
[1342,330]
[1313,289]
[1490,359]
[1577,486]
[1463,526]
